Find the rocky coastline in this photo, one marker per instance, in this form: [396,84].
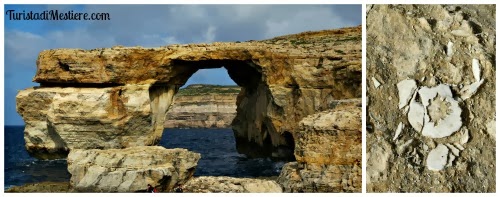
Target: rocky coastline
[105,110]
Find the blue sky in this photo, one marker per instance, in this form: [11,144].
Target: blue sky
[155,25]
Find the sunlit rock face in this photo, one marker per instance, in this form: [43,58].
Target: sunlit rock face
[130,169]
[203,106]
[60,119]
[328,152]
[118,97]
[217,184]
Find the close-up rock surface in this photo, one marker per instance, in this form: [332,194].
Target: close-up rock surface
[431,98]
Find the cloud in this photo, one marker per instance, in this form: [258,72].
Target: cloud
[158,25]
[21,47]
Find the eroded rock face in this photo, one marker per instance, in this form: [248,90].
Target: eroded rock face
[282,79]
[130,169]
[215,109]
[300,178]
[208,184]
[60,119]
[448,51]
[328,152]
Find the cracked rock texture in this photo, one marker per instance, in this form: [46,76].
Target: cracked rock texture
[130,169]
[328,152]
[224,184]
[420,50]
[117,94]
[60,119]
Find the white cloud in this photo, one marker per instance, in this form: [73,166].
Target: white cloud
[23,46]
[210,34]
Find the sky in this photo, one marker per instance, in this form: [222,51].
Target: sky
[153,26]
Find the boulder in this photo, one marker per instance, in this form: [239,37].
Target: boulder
[328,152]
[130,169]
[301,177]
[210,184]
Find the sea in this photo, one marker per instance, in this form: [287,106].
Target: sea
[216,146]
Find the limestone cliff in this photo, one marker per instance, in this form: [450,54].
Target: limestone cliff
[203,106]
[118,97]
[328,152]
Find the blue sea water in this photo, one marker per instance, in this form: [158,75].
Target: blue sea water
[217,147]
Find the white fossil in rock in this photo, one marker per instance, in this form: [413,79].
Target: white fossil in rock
[460,147]
[434,112]
[451,158]
[453,149]
[476,69]
[398,131]
[449,49]
[437,158]
[469,90]
[406,89]
[416,114]
[375,82]
[464,137]
[441,111]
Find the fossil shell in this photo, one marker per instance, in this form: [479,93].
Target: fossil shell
[416,114]
[375,82]
[449,49]
[476,69]
[451,120]
[437,158]
[469,90]
[454,150]
[398,131]
[406,89]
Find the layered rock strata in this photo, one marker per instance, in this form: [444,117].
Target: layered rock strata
[207,184]
[282,80]
[431,112]
[195,107]
[130,169]
[328,152]
[60,119]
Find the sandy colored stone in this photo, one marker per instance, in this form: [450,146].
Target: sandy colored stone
[130,169]
[339,128]
[224,184]
[282,80]
[60,119]
[205,110]
[328,152]
[298,178]
[418,51]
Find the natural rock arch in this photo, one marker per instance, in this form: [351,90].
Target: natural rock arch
[118,97]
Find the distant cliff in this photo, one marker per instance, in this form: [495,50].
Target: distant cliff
[203,106]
